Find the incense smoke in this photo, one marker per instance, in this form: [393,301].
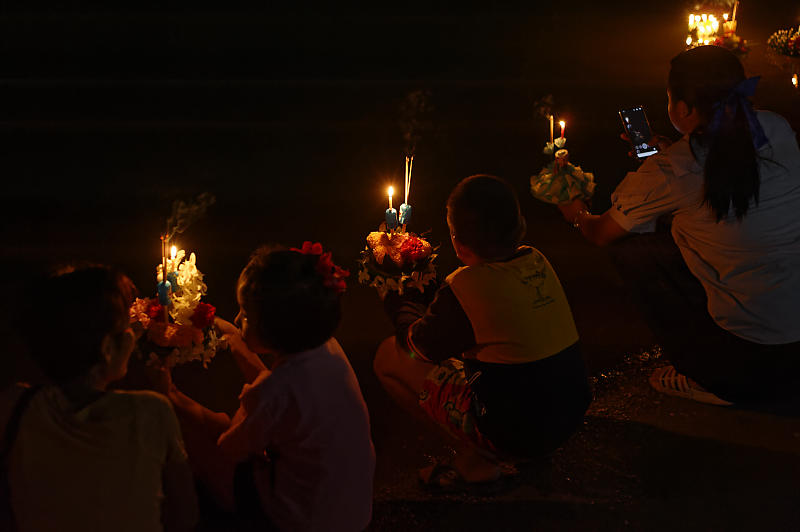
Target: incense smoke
[414,118]
[185,214]
[544,106]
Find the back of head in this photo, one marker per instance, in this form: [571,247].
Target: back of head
[295,305]
[79,307]
[484,215]
[706,78]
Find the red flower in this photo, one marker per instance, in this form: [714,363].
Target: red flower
[309,248]
[333,276]
[414,249]
[155,310]
[203,315]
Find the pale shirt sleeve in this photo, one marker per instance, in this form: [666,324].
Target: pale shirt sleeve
[643,196]
[260,407]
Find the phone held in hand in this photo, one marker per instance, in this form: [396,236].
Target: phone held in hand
[636,126]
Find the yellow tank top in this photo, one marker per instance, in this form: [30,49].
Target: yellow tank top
[518,309]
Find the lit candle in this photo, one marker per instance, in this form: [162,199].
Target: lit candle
[391,214]
[563,127]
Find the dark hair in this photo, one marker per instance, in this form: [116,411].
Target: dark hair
[704,77]
[86,303]
[485,216]
[295,310]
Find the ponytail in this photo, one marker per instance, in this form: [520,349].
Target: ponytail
[711,79]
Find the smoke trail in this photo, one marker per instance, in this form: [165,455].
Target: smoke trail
[414,118]
[544,106]
[185,214]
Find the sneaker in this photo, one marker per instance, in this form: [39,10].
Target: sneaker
[667,380]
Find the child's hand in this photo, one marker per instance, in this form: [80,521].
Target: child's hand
[226,328]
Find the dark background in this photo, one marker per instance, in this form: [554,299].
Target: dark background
[291,116]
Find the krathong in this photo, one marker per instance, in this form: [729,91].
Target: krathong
[395,259]
[181,330]
[717,28]
[560,181]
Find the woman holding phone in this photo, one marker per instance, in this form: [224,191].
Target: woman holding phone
[727,308]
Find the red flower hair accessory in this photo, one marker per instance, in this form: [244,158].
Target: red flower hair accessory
[333,276]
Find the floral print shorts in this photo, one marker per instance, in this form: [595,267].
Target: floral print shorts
[447,398]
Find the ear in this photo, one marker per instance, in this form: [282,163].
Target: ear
[683,110]
[108,348]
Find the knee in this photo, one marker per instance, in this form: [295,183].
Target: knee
[384,363]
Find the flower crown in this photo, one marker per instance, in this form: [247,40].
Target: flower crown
[333,276]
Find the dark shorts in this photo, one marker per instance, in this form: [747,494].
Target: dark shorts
[517,410]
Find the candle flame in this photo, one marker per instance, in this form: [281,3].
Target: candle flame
[725,16]
[794,80]
[173,251]
[390,191]
[562,124]
[688,41]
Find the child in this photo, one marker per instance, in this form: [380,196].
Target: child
[85,458]
[728,318]
[494,359]
[298,451]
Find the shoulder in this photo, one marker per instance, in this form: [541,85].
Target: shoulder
[464,270]
[776,127]
[139,400]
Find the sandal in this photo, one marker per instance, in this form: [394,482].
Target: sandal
[667,380]
[442,476]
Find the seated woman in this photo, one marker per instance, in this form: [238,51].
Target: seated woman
[84,458]
[726,310]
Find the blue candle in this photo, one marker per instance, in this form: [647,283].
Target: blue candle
[172,279]
[405,213]
[391,219]
[164,288]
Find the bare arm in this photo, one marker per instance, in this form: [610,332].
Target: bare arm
[249,363]
[600,230]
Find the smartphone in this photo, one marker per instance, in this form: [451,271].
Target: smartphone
[636,126]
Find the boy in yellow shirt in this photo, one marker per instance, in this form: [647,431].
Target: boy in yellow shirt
[494,359]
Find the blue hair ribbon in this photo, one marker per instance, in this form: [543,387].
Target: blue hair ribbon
[740,95]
